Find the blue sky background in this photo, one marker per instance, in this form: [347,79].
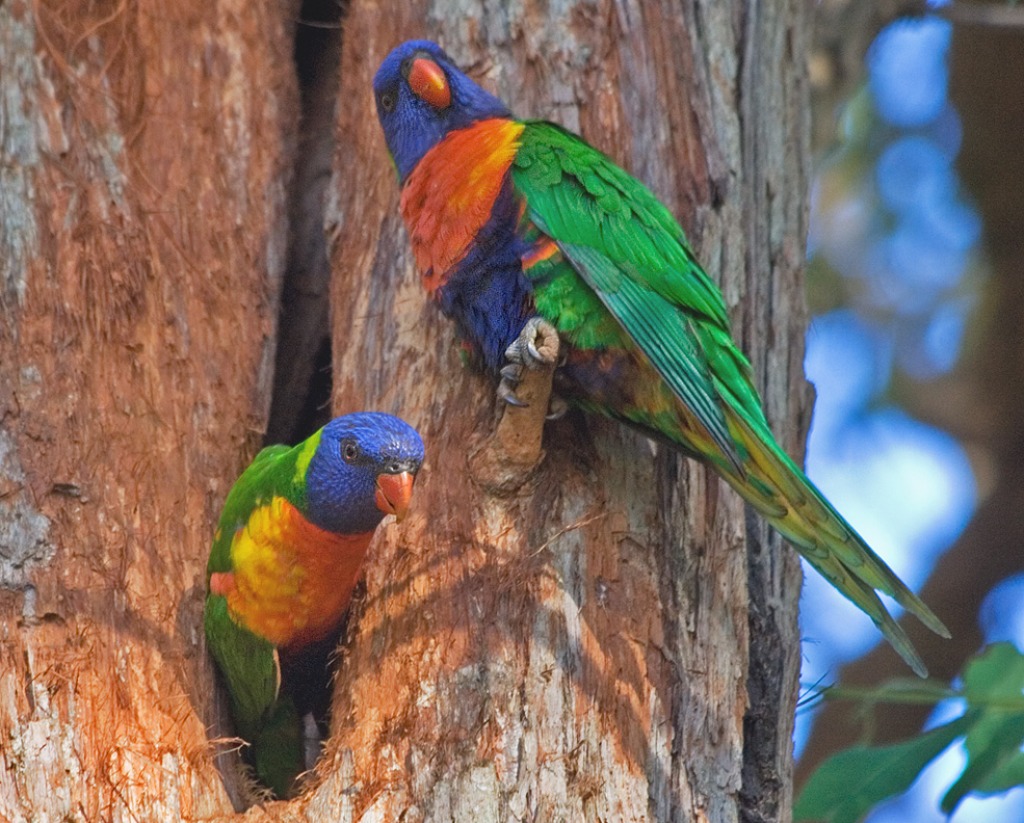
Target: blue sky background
[893,232]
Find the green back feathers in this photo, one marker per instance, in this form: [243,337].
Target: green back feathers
[275,471]
[621,247]
[583,198]
[632,254]
[249,664]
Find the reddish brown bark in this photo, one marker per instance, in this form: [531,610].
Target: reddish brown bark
[143,179]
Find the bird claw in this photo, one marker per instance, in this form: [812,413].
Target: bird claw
[507,392]
[507,460]
[511,377]
[512,373]
[536,347]
[557,407]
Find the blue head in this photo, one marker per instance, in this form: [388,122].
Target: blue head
[362,469]
[421,96]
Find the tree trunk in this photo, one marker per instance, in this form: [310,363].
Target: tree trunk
[596,644]
[142,233]
[614,638]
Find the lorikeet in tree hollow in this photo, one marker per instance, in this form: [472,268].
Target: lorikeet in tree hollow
[286,557]
[516,223]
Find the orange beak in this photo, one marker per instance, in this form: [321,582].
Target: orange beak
[428,82]
[394,491]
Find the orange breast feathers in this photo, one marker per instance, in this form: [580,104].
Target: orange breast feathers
[449,196]
[291,581]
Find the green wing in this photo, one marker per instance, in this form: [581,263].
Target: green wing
[261,479]
[248,663]
[628,250]
[632,253]
[263,716]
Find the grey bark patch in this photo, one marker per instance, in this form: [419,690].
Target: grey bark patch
[23,541]
[23,530]
[19,153]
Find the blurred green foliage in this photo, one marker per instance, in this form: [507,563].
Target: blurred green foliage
[847,786]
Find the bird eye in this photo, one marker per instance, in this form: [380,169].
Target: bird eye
[349,451]
[387,101]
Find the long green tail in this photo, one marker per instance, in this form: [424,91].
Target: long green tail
[264,716]
[774,485]
[277,748]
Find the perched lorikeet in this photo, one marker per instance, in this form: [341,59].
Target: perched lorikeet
[286,556]
[516,223]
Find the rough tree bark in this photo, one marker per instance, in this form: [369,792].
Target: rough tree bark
[142,232]
[613,639]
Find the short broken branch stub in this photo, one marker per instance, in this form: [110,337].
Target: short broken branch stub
[508,458]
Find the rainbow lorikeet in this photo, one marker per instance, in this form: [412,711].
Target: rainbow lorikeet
[519,223]
[286,556]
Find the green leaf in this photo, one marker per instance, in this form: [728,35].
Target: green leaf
[1008,776]
[908,690]
[995,738]
[851,783]
[994,682]
[996,677]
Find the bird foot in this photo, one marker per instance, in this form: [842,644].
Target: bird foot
[535,348]
[509,457]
